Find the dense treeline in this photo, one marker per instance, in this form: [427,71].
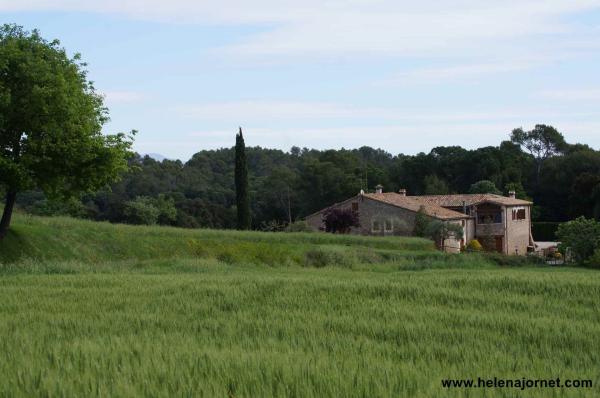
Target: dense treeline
[564,182]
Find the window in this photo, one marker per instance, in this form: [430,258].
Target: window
[518,213]
[375,226]
[354,206]
[389,226]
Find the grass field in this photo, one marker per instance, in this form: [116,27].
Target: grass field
[99,310]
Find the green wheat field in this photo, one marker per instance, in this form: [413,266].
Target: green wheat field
[92,309]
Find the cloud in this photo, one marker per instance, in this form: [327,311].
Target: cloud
[275,110]
[345,27]
[461,72]
[590,95]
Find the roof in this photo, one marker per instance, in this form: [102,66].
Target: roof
[412,204]
[468,200]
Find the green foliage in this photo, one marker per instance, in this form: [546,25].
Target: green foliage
[474,246]
[141,211]
[242,199]
[149,211]
[484,186]
[167,213]
[299,226]
[542,142]
[433,185]
[65,239]
[513,261]
[51,121]
[272,226]
[580,238]
[594,260]
[439,231]
[294,184]
[421,222]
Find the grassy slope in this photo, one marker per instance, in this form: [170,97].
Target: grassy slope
[63,244]
[206,322]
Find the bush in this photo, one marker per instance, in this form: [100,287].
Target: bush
[421,222]
[594,261]
[141,211]
[299,226]
[581,238]
[318,258]
[514,261]
[474,246]
[272,226]
[439,231]
[149,211]
[340,220]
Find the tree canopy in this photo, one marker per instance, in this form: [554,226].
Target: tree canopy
[242,200]
[50,123]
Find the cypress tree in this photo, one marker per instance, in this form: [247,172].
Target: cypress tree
[241,183]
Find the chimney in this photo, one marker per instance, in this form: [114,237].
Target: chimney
[402,192]
[512,194]
[379,188]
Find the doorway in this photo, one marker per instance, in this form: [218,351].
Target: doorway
[500,244]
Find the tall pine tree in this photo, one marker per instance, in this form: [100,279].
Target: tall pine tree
[241,183]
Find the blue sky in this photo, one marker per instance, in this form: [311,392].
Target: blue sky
[398,75]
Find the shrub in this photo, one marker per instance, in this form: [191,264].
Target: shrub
[141,211]
[272,226]
[299,226]
[340,220]
[514,261]
[581,237]
[474,246]
[421,222]
[594,260]
[439,231]
[149,211]
[318,258]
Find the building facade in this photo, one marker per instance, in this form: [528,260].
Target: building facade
[499,223]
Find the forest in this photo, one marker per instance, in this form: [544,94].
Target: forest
[562,179]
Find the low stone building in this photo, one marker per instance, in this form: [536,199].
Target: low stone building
[500,223]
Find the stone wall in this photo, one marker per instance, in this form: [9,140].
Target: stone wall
[518,232]
[391,220]
[381,219]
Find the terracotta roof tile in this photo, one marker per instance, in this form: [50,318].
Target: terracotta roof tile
[410,203]
[468,199]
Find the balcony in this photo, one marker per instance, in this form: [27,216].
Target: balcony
[489,229]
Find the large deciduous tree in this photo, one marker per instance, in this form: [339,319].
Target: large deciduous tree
[542,142]
[241,183]
[50,123]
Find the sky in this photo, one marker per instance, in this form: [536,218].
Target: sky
[399,75]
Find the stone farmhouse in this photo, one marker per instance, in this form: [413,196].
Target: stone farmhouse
[499,223]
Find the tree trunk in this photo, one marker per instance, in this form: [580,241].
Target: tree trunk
[11,197]
[289,206]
